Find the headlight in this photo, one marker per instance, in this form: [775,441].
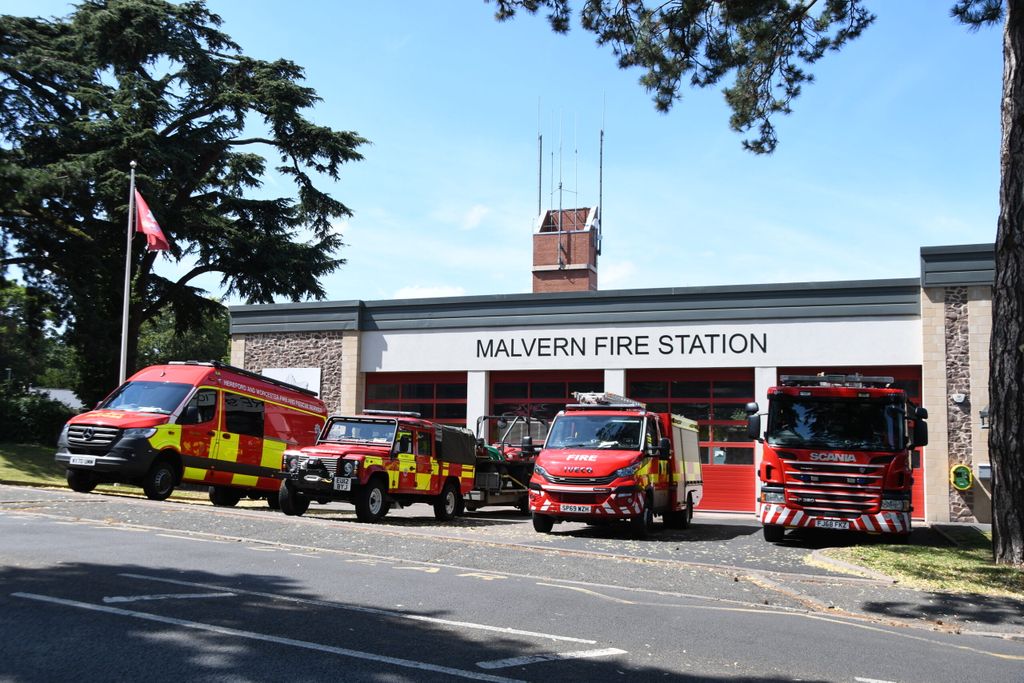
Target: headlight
[627,471]
[899,504]
[541,471]
[63,434]
[773,497]
[139,432]
[348,468]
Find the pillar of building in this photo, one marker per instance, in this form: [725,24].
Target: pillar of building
[764,379]
[477,396]
[353,382]
[934,397]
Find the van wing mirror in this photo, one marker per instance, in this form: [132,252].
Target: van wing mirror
[920,433]
[527,447]
[664,447]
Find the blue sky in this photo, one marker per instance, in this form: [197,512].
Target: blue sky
[894,147]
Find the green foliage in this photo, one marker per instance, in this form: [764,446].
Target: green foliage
[161,341]
[158,83]
[30,417]
[765,44]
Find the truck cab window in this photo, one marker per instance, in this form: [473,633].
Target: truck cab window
[424,443]
[201,409]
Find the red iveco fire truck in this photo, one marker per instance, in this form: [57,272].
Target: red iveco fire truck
[837,454]
[608,458]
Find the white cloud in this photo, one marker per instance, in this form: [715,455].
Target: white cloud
[428,292]
[474,216]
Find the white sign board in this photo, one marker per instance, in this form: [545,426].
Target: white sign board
[307,378]
[759,344]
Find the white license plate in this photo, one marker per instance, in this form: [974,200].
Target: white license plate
[575,508]
[86,460]
[342,484]
[832,524]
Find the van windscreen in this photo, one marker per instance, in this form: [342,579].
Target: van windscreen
[148,397]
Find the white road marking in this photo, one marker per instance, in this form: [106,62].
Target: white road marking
[552,657]
[263,637]
[370,610]
[871,680]
[191,538]
[165,596]
[587,592]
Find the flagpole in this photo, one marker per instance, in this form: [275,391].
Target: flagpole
[127,278]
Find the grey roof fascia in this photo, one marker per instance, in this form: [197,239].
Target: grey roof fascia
[960,265]
[296,317]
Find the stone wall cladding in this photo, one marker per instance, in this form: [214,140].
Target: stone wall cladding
[958,381]
[300,350]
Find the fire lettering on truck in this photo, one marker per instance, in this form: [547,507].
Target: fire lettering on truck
[834,457]
[577,456]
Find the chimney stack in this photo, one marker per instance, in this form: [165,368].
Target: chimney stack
[565,251]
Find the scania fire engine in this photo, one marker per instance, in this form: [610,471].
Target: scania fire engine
[837,454]
[608,458]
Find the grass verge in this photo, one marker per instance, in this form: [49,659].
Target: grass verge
[965,567]
[33,465]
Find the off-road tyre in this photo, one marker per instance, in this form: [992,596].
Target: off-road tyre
[371,502]
[447,505]
[82,481]
[774,533]
[224,497]
[292,503]
[159,482]
[273,501]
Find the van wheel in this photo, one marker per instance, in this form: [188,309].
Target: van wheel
[523,505]
[640,526]
[370,502]
[543,524]
[224,497]
[81,481]
[273,501]
[292,502]
[158,484]
[773,533]
[447,505]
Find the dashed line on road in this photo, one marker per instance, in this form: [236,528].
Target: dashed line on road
[266,638]
[191,538]
[552,657]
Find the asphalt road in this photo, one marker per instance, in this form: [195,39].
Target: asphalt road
[103,587]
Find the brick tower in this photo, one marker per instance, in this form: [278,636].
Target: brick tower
[565,249]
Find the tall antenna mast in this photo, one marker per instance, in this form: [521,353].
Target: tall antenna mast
[540,162]
[600,189]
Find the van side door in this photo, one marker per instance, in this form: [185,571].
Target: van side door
[240,442]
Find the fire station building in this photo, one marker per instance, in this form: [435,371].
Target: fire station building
[702,352]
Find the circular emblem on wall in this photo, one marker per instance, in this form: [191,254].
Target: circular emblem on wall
[961,477]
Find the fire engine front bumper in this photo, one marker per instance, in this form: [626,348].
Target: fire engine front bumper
[322,486]
[584,503]
[886,522]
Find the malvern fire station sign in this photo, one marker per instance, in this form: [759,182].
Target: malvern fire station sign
[844,342]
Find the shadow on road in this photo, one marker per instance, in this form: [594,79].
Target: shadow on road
[258,627]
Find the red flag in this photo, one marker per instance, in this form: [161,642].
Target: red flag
[147,225]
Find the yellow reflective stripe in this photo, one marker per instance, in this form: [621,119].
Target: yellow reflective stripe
[167,436]
[392,479]
[243,479]
[272,452]
[227,449]
[423,482]
[194,474]
[373,460]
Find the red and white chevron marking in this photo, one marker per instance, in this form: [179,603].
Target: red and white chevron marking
[613,507]
[887,522]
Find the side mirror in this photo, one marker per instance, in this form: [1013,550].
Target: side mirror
[754,425]
[921,413]
[664,447]
[920,432]
[751,408]
[527,446]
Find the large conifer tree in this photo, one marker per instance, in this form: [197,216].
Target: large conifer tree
[158,83]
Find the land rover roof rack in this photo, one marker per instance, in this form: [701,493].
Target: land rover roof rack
[603,400]
[248,373]
[822,380]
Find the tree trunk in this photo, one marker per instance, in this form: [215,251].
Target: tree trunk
[1006,403]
